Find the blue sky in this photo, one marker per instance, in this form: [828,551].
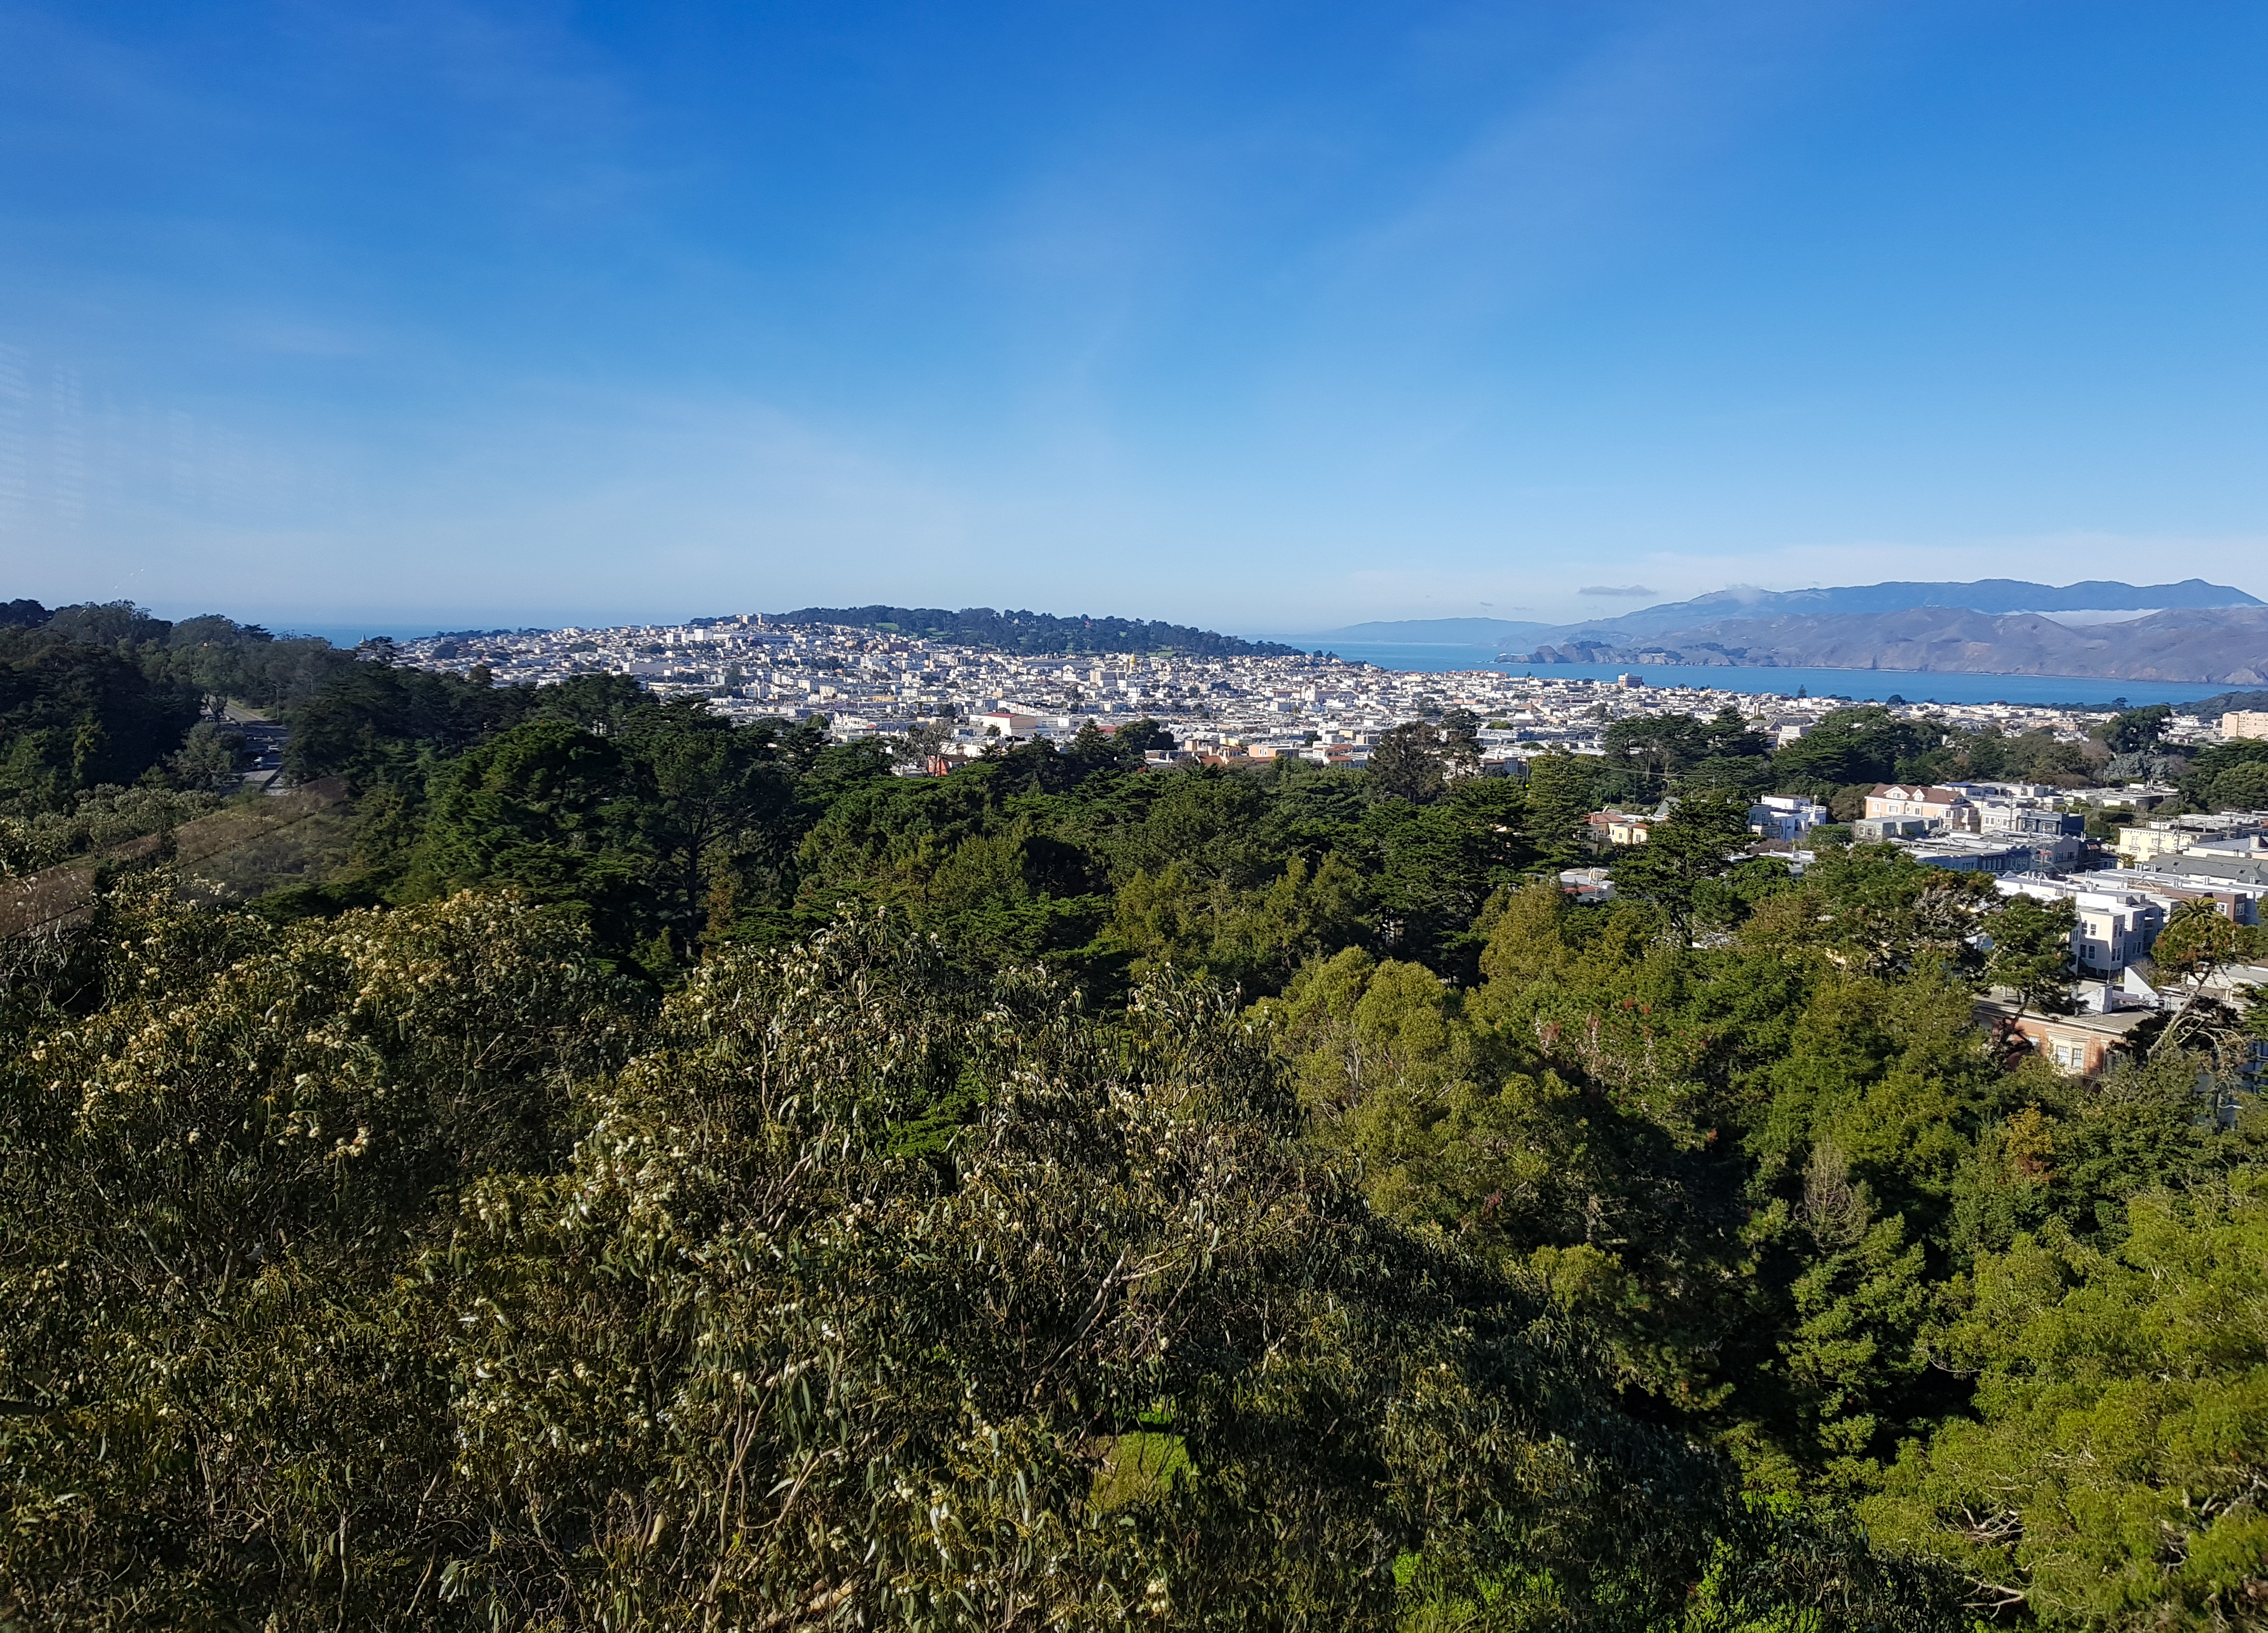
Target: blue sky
[1256,316]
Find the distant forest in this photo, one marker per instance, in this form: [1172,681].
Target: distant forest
[2227,702]
[1039,633]
[628,1171]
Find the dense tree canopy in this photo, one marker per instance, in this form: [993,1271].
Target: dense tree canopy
[2230,776]
[96,697]
[678,1174]
[1019,631]
[75,715]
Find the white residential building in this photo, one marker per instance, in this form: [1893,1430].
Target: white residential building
[1785,816]
[2114,927]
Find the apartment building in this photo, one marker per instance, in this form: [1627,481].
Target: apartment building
[2031,818]
[1787,817]
[1946,810]
[2250,722]
[2227,833]
[1890,827]
[2237,900]
[2112,928]
[2142,842]
[2194,871]
[1971,853]
[2247,844]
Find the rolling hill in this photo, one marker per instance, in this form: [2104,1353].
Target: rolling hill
[2192,631]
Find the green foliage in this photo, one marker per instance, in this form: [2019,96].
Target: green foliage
[226,1393]
[1853,749]
[545,808]
[105,623]
[2198,940]
[2199,785]
[2104,822]
[1137,737]
[1069,858]
[1867,744]
[1784,1568]
[108,695]
[2111,1477]
[2224,702]
[1038,632]
[2031,952]
[1657,745]
[1653,753]
[1407,763]
[1687,856]
[210,758]
[2135,730]
[2228,777]
[1253,939]
[75,716]
[1562,789]
[314,1314]
[222,659]
[97,820]
[374,723]
[1065,1192]
[1856,1307]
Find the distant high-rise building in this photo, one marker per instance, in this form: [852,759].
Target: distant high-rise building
[2245,722]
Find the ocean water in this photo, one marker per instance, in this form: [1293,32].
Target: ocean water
[1858,685]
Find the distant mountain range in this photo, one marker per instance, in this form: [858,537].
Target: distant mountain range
[2189,631]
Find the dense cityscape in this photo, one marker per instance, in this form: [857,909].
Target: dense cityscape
[1234,708]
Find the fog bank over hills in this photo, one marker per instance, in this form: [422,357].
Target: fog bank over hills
[2192,630]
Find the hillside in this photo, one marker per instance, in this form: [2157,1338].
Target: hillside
[2192,630]
[1706,620]
[2227,702]
[1999,596]
[1019,631]
[2227,645]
